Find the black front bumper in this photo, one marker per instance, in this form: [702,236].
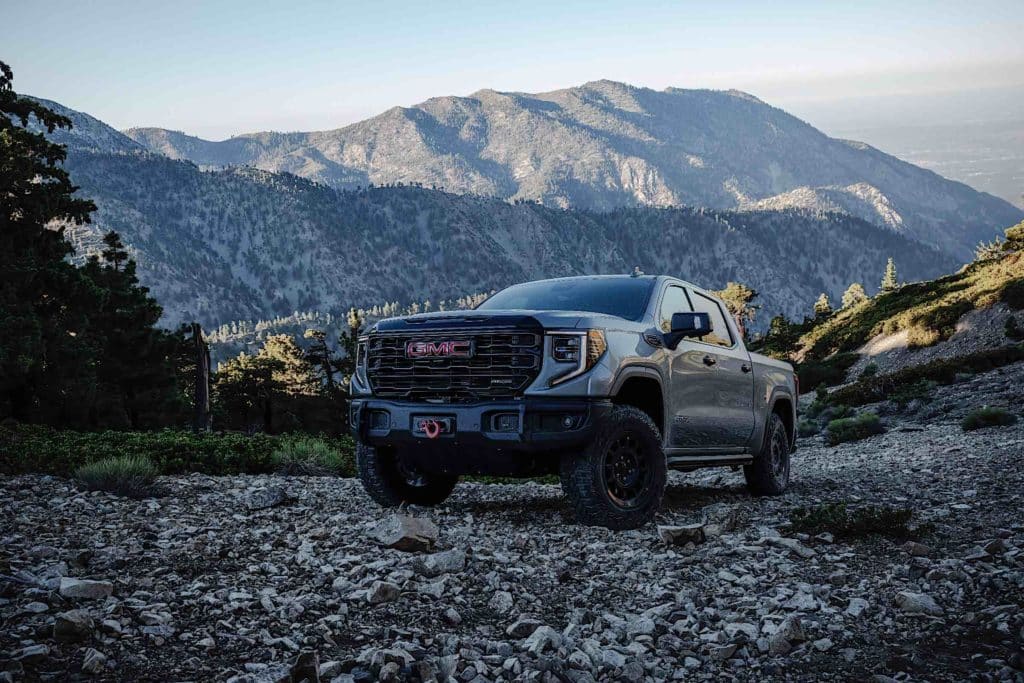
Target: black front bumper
[501,438]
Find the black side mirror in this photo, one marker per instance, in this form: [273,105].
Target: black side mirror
[686,325]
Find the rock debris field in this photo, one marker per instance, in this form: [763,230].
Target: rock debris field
[284,579]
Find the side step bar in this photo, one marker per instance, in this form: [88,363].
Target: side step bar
[690,461]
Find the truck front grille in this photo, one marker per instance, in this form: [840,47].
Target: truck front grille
[502,365]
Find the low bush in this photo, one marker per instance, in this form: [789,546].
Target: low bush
[1013,294]
[841,522]
[127,475]
[1013,329]
[870,370]
[921,390]
[31,448]
[828,372]
[853,428]
[301,454]
[941,371]
[987,416]
[807,428]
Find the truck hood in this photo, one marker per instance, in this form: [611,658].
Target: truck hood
[495,318]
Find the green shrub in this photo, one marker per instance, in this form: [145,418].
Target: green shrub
[1013,294]
[854,428]
[31,448]
[838,520]
[870,370]
[128,475]
[1013,330]
[941,371]
[828,372]
[921,390]
[301,454]
[807,428]
[987,416]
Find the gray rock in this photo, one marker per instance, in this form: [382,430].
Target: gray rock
[33,654]
[613,659]
[681,535]
[522,627]
[268,497]
[85,588]
[76,624]
[915,549]
[435,564]
[382,591]
[542,638]
[94,662]
[792,545]
[917,603]
[501,602]
[405,532]
[857,607]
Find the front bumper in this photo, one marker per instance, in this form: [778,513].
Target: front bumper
[511,438]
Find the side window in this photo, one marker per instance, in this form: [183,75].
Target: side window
[674,301]
[719,329]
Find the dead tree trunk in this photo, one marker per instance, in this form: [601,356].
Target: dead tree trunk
[203,419]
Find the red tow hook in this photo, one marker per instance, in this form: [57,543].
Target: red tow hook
[432,428]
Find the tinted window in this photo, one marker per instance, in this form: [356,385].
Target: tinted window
[719,329]
[622,297]
[674,301]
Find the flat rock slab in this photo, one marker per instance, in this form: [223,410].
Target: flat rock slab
[405,532]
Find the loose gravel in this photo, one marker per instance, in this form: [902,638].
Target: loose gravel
[278,579]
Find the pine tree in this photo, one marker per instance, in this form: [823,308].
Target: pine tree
[349,341]
[737,298]
[37,325]
[890,281]
[854,294]
[822,307]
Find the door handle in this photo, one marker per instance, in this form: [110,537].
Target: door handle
[709,360]
[745,368]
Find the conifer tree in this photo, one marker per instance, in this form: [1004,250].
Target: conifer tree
[854,294]
[890,281]
[822,307]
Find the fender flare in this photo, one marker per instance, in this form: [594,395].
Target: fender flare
[631,371]
[777,394]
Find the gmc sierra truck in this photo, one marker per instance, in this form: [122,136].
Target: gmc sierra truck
[608,381]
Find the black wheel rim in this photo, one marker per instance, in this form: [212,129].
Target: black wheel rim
[627,471]
[779,454]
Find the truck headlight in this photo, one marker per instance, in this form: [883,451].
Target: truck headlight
[581,350]
[361,354]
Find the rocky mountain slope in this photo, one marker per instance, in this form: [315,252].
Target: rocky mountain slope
[604,145]
[228,578]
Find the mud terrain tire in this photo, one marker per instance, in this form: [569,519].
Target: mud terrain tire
[391,483]
[618,480]
[768,474]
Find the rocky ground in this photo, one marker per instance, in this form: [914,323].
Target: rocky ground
[271,579]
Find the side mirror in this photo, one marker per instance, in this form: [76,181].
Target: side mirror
[686,325]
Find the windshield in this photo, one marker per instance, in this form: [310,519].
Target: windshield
[622,297]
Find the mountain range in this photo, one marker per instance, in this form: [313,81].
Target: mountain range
[242,243]
[605,145]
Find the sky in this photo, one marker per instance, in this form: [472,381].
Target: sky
[216,69]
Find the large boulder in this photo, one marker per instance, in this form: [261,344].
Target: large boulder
[405,532]
[85,588]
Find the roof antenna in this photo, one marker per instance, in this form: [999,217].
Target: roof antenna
[637,272]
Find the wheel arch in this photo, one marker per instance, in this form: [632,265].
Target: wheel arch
[642,387]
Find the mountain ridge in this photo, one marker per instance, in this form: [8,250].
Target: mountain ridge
[606,144]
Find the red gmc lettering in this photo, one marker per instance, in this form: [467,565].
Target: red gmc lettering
[422,349]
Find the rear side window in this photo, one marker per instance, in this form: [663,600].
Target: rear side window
[719,334]
[674,301]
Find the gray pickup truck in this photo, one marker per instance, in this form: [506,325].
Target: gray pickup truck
[608,381]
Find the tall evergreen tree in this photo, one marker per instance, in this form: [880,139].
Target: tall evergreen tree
[890,281]
[737,298]
[822,307]
[39,318]
[854,294]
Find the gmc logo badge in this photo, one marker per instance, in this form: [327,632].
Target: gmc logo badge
[459,348]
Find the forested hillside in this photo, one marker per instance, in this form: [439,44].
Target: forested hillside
[604,145]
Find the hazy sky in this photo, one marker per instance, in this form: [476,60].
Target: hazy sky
[219,68]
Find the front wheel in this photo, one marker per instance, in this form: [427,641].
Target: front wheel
[618,481]
[391,480]
[768,474]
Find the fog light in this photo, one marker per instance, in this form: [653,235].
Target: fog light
[379,420]
[506,422]
[568,421]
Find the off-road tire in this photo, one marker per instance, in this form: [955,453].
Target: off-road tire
[768,474]
[590,484]
[382,478]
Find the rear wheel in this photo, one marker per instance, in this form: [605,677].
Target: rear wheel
[391,480]
[618,481]
[768,475]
